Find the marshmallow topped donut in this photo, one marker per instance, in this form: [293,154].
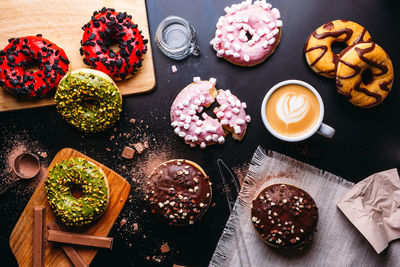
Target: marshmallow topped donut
[248,33]
[202,129]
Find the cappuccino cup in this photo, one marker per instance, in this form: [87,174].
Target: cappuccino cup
[293,111]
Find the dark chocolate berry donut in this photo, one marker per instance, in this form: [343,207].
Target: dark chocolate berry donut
[285,216]
[105,28]
[24,52]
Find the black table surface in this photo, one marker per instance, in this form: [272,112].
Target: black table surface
[366,140]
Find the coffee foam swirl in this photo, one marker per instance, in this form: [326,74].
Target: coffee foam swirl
[292,108]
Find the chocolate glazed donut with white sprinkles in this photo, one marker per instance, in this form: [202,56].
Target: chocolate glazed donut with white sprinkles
[179,192]
[285,216]
[107,26]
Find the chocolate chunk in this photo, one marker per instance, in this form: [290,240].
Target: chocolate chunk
[92,36]
[128,152]
[139,147]
[11,58]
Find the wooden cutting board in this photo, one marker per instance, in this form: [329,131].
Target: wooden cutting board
[61,21]
[22,235]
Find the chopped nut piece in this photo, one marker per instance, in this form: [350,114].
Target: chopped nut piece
[123,222]
[135,227]
[128,152]
[164,248]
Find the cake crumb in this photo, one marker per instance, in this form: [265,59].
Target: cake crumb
[135,227]
[123,222]
[43,154]
[164,248]
[132,120]
[128,152]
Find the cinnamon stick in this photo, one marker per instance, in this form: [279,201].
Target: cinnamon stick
[39,224]
[80,239]
[72,254]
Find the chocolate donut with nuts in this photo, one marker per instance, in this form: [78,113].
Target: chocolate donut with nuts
[285,216]
[179,192]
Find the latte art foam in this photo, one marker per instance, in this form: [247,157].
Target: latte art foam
[292,108]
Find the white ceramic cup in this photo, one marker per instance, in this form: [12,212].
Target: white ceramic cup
[319,127]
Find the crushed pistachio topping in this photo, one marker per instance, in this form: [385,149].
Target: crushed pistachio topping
[89,102]
[79,172]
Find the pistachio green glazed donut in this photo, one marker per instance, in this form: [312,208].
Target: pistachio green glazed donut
[89,100]
[93,182]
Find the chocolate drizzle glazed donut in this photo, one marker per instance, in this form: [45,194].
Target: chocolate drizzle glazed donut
[364,74]
[318,47]
[190,102]
[21,53]
[105,27]
[285,216]
[179,192]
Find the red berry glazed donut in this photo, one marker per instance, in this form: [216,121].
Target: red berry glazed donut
[27,51]
[106,27]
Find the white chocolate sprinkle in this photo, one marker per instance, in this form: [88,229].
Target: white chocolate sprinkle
[271,41]
[220,114]
[227,45]
[240,121]
[229,52]
[215,137]
[237,129]
[221,140]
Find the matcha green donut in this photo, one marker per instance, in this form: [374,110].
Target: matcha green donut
[89,100]
[93,182]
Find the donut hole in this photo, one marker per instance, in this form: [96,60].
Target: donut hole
[76,191]
[209,110]
[113,45]
[367,76]
[249,36]
[32,66]
[338,47]
[90,102]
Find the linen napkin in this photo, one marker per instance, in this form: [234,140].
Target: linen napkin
[336,243]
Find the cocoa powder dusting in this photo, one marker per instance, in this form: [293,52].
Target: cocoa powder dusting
[135,219]
[13,148]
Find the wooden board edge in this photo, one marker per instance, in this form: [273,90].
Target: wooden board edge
[126,192]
